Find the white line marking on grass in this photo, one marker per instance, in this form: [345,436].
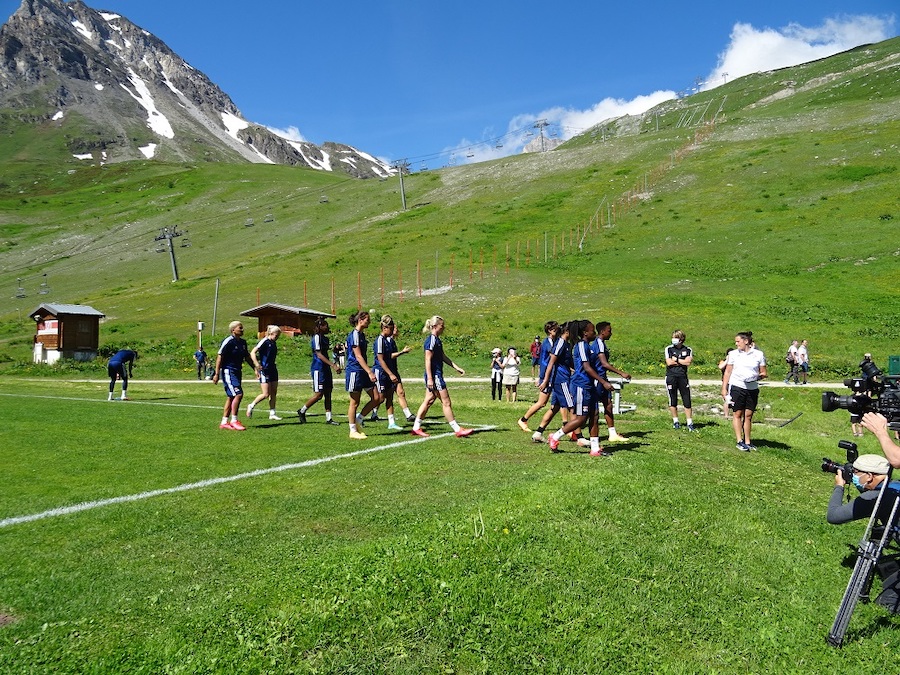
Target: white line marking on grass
[86,506]
[130,401]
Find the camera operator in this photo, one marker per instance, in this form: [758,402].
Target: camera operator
[869,472]
[878,425]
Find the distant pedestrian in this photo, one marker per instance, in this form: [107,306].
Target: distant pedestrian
[230,359]
[320,371]
[435,386]
[119,368]
[792,359]
[745,366]
[263,356]
[803,355]
[201,359]
[678,357]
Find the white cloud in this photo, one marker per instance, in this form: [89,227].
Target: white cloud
[292,133]
[752,50]
[562,123]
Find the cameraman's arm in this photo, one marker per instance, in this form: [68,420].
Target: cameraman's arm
[855,509]
[877,424]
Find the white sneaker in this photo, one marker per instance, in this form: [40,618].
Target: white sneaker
[537,437]
[249,410]
[616,438]
[273,416]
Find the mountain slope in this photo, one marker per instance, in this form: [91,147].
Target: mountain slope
[110,91]
[782,219]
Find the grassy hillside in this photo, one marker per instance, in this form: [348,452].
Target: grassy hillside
[782,219]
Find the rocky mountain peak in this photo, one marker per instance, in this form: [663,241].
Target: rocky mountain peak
[116,92]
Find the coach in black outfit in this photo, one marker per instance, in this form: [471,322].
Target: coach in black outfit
[678,358]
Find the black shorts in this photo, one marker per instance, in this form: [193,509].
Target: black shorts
[743,399]
[678,384]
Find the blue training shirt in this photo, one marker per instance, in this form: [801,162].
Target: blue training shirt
[356,338]
[319,343]
[434,344]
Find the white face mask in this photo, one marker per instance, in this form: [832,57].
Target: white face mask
[676,341]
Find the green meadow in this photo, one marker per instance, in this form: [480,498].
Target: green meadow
[488,554]
[138,537]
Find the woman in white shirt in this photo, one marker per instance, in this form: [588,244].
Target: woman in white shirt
[510,367]
[744,367]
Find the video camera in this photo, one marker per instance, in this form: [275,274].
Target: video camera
[846,470]
[873,392]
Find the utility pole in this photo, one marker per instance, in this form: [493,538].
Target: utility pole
[540,124]
[169,235]
[402,165]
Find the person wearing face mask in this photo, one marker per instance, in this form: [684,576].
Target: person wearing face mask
[678,357]
[869,473]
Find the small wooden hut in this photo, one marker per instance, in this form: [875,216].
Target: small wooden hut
[66,331]
[291,320]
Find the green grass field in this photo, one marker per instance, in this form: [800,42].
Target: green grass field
[679,554]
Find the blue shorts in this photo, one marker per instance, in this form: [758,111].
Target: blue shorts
[383,383]
[268,375]
[585,400]
[439,384]
[562,395]
[231,380]
[322,381]
[357,380]
[535,360]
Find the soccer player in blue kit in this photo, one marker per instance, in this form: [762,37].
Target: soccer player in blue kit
[434,378]
[584,374]
[385,353]
[358,376]
[230,359]
[603,386]
[320,371]
[263,356]
[119,367]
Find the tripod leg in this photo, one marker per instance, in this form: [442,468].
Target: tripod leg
[859,580]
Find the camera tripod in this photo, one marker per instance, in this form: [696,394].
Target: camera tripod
[870,552]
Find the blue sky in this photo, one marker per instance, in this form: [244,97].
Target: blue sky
[431,81]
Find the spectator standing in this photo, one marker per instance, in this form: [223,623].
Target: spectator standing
[678,357]
[745,366]
[496,374]
[119,368]
[233,353]
[535,356]
[201,359]
[511,373]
